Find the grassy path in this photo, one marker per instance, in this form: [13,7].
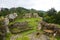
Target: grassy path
[33,36]
[14,37]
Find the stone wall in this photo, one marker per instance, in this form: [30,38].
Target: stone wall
[30,15]
[50,27]
[19,27]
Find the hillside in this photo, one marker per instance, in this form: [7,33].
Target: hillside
[26,24]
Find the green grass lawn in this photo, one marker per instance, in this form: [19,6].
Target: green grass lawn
[26,19]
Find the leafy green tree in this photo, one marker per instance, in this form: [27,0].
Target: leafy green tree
[57,17]
[33,11]
[51,12]
[51,16]
[41,13]
[4,11]
[12,10]
[21,10]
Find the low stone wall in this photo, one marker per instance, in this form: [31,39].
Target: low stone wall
[49,26]
[19,27]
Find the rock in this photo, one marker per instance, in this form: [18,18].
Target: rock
[19,27]
[12,16]
[35,15]
[39,26]
[2,32]
[6,21]
[30,15]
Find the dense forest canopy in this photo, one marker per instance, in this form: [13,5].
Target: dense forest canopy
[18,10]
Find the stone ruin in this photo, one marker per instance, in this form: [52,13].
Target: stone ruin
[35,15]
[12,16]
[7,19]
[50,28]
[30,15]
[2,31]
[20,27]
[4,21]
[39,26]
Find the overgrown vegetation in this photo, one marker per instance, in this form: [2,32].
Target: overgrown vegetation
[50,16]
[8,35]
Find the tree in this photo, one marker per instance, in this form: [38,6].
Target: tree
[4,11]
[57,17]
[12,10]
[41,13]
[20,10]
[33,11]
[51,16]
[51,12]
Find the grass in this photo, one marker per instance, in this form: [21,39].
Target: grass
[24,35]
[8,35]
[25,19]
[23,38]
[32,22]
[58,38]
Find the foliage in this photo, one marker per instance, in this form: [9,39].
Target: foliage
[31,21]
[52,16]
[19,10]
[51,12]
[4,11]
[8,35]
[57,37]
[41,13]
[57,18]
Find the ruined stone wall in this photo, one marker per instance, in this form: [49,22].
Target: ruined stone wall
[51,27]
[30,15]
